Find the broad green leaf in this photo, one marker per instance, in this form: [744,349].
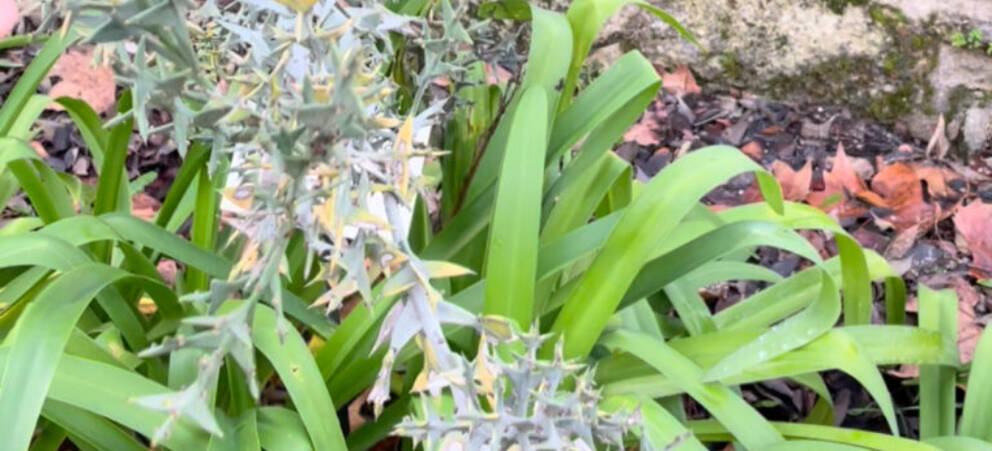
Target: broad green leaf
[939,313]
[645,223]
[39,337]
[108,391]
[587,17]
[296,368]
[812,445]
[712,431]
[27,85]
[792,333]
[664,431]
[976,417]
[713,245]
[83,426]
[730,409]
[511,260]
[958,443]
[546,67]
[280,429]
[184,184]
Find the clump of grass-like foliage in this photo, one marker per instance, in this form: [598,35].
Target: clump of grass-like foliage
[366,154]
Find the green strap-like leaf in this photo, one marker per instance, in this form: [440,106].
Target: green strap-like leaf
[745,423]
[713,245]
[665,201]
[958,443]
[511,260]
[976,417]
[296,368]
[792,333]
[280,429]
[939,313]
[587,17]
[664,431]
[85,428]
[152,236]
[39,337]
[712,431]
[28,84]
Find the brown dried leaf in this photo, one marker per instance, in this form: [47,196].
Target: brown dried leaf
[906,371]
[167,269]
[902,243]
[680,82]
[38,148]
[753,150]
[969,326]
[795,184]
[82,80]
[939,144]
[844,181]
[355,417]
[496,74]
[9,16]
[972,223]
[902,194]
[941,181]
[144,206]
[644,132]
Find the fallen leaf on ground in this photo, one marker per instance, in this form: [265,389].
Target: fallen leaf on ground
[753,150]
[902,243]
[9,16]
[906,371]
[941,182]
[644,132]
[902,198]
[939,144]
[795,184]
[844,181]
[680,82]
[144,206]
[972,223]
[496,75]
[167,269]
[39,149]
[81,79]
[355,417]
[969,328]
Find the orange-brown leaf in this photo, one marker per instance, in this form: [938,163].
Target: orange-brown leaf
[753,150]
[900,188]
[9,16]
[842,180]
[144,206]
[795,184]
[93,84]
[972,223]
[680,82]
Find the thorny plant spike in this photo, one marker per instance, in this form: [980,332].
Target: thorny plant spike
[298,102]
[515,403]
[293,98]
